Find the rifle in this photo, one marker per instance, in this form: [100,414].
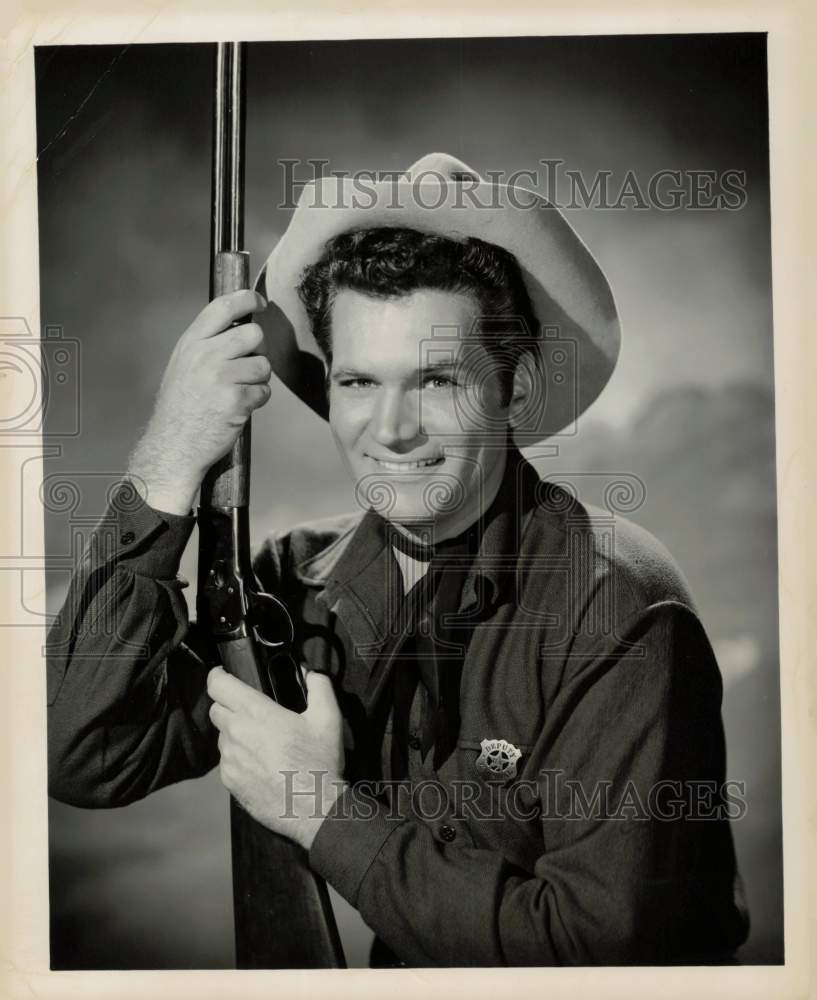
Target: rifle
[283,915]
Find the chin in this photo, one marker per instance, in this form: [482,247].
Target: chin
[406,516]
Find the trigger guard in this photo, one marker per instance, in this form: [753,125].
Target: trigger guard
[269,618]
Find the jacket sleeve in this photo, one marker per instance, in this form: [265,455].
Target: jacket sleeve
[127,700]
[630,880]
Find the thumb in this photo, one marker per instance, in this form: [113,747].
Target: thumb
[320,694]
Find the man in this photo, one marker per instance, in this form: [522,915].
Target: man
[512,752]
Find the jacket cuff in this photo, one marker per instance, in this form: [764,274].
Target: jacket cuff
[150,542]
[350,838]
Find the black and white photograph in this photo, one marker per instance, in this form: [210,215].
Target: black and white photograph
[410,507]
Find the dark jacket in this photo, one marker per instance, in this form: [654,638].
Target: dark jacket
[611,844]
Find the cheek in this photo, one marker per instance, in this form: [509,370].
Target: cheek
[489,398]
[441,413]
[471,416]
[346,421]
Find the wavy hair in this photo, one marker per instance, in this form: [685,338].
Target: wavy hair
[391,262]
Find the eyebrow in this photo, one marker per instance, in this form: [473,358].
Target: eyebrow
[438,368]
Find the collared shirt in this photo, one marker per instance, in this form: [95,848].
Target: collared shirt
[420,662]
[585,657]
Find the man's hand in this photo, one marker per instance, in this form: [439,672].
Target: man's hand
[214,380]
[262,744]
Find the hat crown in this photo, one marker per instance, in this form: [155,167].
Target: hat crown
[441,166]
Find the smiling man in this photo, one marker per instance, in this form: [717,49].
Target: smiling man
[512,752]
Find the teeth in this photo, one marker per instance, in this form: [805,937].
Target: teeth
[408,466]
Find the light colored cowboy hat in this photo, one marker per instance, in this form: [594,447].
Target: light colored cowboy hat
[439,194]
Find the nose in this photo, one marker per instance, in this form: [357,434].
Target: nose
[395,420]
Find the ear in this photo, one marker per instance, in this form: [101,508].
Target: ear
[523,387]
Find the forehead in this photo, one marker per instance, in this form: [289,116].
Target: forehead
[422,327]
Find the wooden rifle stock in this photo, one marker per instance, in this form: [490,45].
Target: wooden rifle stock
[283,915]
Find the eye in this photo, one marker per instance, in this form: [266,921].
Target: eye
[440,382]
[356,383]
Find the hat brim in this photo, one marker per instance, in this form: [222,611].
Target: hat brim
[577,345]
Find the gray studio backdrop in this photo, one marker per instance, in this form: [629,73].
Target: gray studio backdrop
[124,142]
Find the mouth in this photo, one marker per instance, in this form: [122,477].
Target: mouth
[404,466]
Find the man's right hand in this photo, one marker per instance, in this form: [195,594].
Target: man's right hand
[214,380]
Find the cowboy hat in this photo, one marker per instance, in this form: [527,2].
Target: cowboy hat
[578,343]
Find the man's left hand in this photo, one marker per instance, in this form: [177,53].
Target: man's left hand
[283,767]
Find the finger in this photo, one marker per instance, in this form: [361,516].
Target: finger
[250,371]
[224,310]
[321,698]
[240,341]
[218,716]
[232,693]
[250,397]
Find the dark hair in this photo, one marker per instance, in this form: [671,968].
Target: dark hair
[391,262]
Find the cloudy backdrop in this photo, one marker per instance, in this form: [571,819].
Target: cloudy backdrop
[123,172]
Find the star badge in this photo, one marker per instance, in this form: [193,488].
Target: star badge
[498,759]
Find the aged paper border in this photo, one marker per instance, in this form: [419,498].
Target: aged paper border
[23,848]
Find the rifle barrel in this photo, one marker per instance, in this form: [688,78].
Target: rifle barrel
[228,482]
[229,130]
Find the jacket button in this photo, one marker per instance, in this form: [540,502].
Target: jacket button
[414,743]
[127,537]
[448,833]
